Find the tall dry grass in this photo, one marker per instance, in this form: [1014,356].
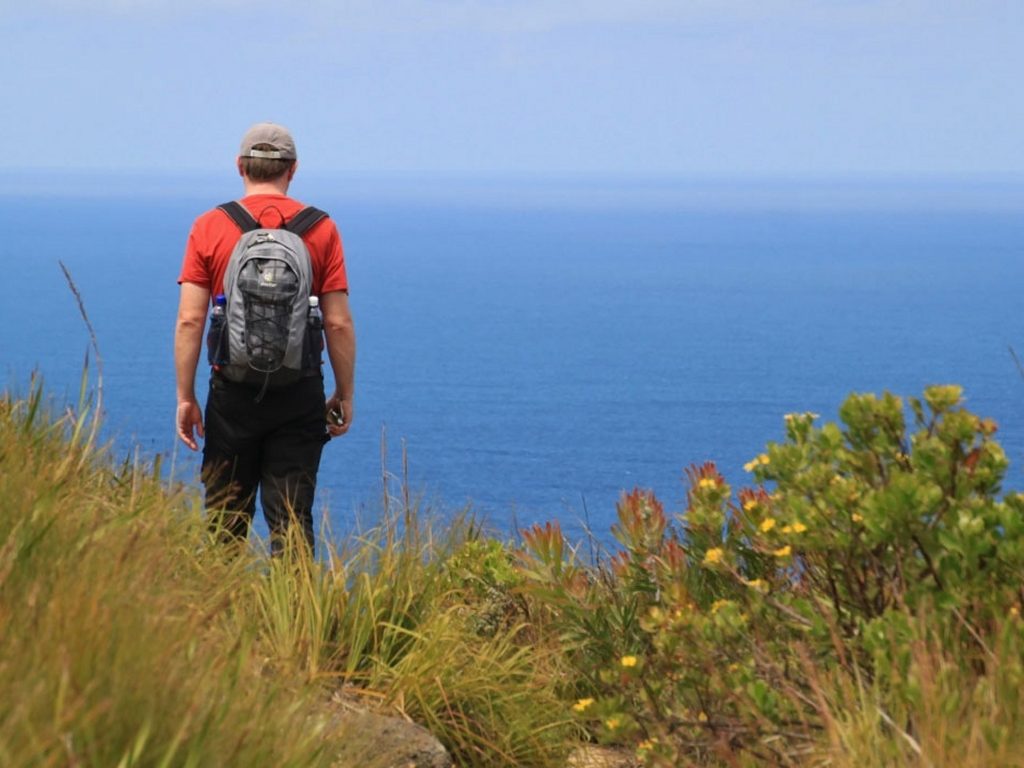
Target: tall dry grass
[119,642]
[957,705]
[131,638]
[388,619]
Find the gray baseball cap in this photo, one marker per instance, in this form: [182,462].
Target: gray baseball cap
[273,134]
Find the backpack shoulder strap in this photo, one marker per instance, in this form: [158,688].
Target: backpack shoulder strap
[304,220]
[238,214]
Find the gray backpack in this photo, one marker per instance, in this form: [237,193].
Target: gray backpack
[267,339]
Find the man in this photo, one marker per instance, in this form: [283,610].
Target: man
[272,440]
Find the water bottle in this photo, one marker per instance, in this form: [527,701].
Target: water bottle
[216,337]
[314,333]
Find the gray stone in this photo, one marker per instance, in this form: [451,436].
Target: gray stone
[601,757]
[375,740]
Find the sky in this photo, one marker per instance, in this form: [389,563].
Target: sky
[636,87]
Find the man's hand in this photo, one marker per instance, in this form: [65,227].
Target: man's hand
[190,417]
[188,343]
[343,407]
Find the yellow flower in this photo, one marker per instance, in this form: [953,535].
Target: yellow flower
[707,483]
[757,461]
[628,661]
[582,705]
[805,415]
[785,551]
[759,584]
[796,527]
[613,722]
[713,556]
[857,518]
[645,746]
[749,505]
[703,717]
[718,605]
[767,524]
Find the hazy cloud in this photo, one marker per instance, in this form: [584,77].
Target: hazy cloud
[649,85]
[506,15]
[523,16]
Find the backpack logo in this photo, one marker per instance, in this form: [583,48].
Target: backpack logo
[266,338]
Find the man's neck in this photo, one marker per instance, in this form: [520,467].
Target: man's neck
[265,187]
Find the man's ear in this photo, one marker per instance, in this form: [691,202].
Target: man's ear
[294,168]
[238,164]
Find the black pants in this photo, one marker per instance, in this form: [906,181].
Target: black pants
[273,445]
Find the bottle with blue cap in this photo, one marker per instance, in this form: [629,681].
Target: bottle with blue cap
[216,337]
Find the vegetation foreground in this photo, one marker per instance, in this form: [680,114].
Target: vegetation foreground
[857,605]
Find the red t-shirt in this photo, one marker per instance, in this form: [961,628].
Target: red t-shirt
[214,235]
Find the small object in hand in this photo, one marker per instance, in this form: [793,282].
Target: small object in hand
[334,417]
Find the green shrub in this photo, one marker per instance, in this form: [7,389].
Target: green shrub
[707,637]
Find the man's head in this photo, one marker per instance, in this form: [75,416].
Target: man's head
[267,153]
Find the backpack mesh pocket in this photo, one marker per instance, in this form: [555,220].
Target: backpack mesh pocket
[269,287]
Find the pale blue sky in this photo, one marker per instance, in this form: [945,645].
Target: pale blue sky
[688,87]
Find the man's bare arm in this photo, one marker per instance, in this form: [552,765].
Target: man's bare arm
[188,344]
[341,351]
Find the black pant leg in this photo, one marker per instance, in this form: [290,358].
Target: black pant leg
[291,458]
[231,459]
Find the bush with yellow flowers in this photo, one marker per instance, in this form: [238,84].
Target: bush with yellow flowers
[709,635]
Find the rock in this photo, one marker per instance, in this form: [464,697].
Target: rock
[383,741]
[601,757]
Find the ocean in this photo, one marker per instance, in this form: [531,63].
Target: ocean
[538,347]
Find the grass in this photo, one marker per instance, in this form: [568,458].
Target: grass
[964,710]
[131,638]
[117,647]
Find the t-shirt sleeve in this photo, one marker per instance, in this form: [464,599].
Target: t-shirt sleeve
[195,267]
[334,276]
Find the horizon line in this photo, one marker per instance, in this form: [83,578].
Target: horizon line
[555,174]
[1003,192]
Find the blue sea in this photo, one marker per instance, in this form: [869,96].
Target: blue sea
[538,346]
